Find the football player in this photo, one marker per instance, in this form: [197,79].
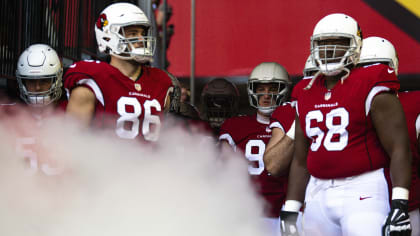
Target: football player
[125,95]
[39,78]
[379,50]
[279,151]
[268,88]
[220,100]
[350,126]
[39,75]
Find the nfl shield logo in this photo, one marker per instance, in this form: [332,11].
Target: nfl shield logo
[137,87]
[327,95]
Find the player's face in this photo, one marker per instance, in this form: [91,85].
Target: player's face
[266,93]
[38,85]
[333,48]
[135,34]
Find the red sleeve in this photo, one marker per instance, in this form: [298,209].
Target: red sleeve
[226,126]
[297,90]
[84,73]
[380,78]
[225,131]
[386,78]
[283,117]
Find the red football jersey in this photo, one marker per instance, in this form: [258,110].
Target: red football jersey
[283,117]
[410,102]
[132,108]
[248,135]
[337,122]
[23,125]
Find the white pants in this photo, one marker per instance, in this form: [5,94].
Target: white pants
[354,206]
[272,225]
[415,222]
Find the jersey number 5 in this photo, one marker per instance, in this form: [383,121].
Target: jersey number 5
[133,118]
[336,130]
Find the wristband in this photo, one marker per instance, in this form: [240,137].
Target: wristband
[291,132]
[292,205]
[400,193]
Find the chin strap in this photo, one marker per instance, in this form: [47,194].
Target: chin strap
[312,80]
[319,72]
[346,75]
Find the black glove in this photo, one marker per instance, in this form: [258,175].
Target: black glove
[398,221]
[288,226]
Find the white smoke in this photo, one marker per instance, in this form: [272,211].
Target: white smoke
[113,187]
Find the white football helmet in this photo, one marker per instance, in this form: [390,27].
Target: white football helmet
[310,68]
[332,59]
[110,35]
[39,62]
[268,72]
[377,49]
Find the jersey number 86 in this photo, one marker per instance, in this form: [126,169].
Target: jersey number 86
[133,117]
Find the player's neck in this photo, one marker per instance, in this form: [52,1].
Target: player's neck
[131,69]
[331,81]
[263,119]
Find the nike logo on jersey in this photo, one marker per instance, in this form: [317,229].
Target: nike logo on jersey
[268,130]
[363,198]
[390,71]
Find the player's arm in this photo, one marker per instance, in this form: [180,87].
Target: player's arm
[299,175]
[279,152]
[389,121]
[81,104]
[298,179]
[225,148]
[390,124]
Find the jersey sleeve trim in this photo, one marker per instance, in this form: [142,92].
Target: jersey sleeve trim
[95,88]
[295,103]
[373,92]
[229,139]
[276,124]
[418,126]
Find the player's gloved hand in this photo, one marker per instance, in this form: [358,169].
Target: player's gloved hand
[288,225]
[398,221]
